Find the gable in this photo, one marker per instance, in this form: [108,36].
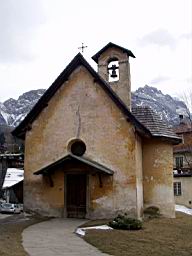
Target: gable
[80,109]
[21,129]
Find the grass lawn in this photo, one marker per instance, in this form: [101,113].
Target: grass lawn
[11,230]
[159,237]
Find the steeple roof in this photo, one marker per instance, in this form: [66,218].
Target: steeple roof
[110,45]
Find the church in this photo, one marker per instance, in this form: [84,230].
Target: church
[88,153]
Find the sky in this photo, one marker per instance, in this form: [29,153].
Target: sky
[40,37]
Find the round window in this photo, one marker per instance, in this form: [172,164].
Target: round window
[78,148]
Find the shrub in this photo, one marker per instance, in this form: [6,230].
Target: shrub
[125,223]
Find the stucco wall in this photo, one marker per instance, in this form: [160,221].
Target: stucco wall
[139,176]
[81,109]
[158,176]
[186,191]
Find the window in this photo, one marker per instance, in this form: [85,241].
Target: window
[177,188]
[179,161]
[78,148]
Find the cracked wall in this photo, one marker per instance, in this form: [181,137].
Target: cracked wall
[82,109]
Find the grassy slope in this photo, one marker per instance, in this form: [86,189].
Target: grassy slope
[11,237]
[161,236]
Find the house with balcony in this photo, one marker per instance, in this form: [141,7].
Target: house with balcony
[182,157]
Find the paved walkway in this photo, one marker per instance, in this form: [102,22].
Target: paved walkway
[56,238]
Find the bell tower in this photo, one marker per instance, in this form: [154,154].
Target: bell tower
[114,68]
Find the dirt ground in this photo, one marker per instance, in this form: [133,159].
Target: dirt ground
[10,234]
[159,237]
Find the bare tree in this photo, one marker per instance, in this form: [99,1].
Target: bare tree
[187,98]
[187,128]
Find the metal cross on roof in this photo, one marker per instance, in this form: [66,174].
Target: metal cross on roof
[82,47]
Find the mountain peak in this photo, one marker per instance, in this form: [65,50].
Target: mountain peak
[148,89]
[13,111]
[164,105]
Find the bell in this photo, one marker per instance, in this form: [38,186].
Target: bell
[113,74]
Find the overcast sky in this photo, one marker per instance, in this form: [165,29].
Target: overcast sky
[40,37]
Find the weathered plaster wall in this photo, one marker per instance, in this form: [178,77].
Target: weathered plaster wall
[158,176]
[186,191]
[139,176]
[40,197]
[81,109]
[123,86]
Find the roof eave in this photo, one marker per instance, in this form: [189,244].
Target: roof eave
[172,140]
[96,56]
[177,175]
[101,168]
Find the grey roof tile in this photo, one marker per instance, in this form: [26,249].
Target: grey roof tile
[153,123]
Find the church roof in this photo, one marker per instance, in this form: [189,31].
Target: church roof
[109,45]
[70,158]
[78,60]
[154,124]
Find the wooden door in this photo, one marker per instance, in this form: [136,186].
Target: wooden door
[76,195]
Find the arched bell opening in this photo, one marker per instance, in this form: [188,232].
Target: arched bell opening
[113,70]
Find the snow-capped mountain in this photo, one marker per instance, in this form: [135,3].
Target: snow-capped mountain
[167,107]
[13,111]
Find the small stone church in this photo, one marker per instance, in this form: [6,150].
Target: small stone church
[88,153]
